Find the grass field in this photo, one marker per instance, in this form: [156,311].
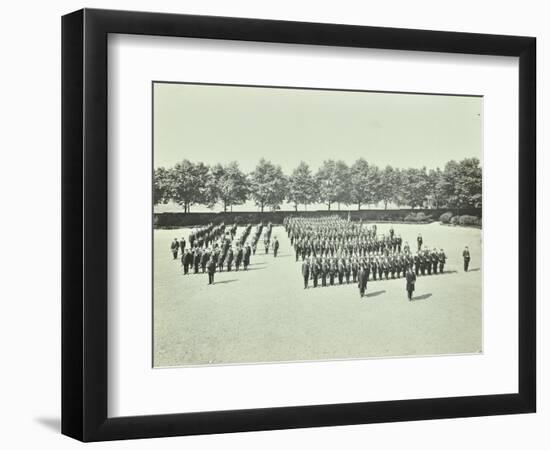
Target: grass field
[265,315]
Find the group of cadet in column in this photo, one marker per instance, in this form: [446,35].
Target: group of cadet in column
[217,247]
[332,251]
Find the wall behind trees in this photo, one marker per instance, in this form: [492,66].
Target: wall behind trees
[175,220]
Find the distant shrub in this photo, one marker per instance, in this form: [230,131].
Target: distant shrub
[454,220]
[418,218]
[446,217]
[469,220]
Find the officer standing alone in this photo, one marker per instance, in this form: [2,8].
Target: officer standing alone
[466,256]
[363,278]
[411,280]
[174,247]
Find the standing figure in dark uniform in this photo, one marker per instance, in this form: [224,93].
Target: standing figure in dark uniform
[347,270]
[362,283]
[442,260]
[416,264]
[399,242]
[246,257]
[305,272]
[354,269]
[324,272]
[211,270]
[275,246]
[204,260]
[186,260]
[422,263]
[419,241]
[196,260]
[174,246]
[435,261]
[238,258]
[314,267]
[398,268]
[332,271]
[411,279]
[266,245]
[182,244]
[466,256]
[341,268]
[229,259]
[298,249]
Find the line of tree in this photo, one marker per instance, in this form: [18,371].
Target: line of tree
[362,184]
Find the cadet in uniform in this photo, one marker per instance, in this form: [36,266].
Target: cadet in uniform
[442,260]
[411,280]
[204,260]
[435,261]
[354,269]
[399,242]
[211,270]
[347,270]
[428,259]
[239,258]
[466,256]
[246,258]
[363,278]
[325,267]
[314,271]
[186,260]
[229,259]
[174,246]
[341,266]
[332,271]
[196,260]
[419,241]
[275,246]
[416,264]
[305,272]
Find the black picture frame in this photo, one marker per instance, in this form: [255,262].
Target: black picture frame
[84,224]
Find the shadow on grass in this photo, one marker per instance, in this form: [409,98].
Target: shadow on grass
[375,293]
[476,269]
[224,281]
[422,297]
[252,268]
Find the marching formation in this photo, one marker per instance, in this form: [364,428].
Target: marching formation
[214,248]
[335,250]
[332,251]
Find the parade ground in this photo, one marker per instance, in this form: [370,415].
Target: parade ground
[266,315]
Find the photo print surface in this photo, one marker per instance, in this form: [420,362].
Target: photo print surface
[296,224]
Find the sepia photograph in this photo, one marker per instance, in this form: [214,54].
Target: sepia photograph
[297,224]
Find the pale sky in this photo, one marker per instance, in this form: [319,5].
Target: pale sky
[219,124]
[223,123]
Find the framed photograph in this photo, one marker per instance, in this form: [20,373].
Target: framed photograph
[272,224]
